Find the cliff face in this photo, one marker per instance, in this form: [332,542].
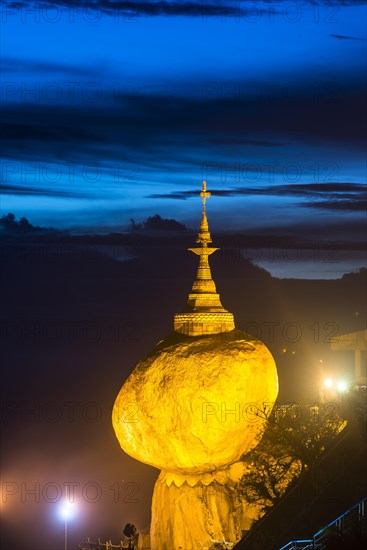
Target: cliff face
[193,517]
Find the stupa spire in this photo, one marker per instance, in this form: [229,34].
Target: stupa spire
[204,313]
[204,236]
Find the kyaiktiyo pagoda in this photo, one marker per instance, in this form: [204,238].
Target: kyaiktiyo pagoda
[193,395]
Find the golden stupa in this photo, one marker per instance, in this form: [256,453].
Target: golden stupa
[194,397]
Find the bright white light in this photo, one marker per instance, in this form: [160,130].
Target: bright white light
[328,383]
[67,509]
[342,386]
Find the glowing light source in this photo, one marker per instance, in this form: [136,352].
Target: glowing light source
[328,383]
[342,386]
[67,511]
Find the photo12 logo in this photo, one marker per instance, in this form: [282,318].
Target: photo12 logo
[51,492]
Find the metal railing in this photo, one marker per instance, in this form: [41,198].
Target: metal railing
[89,545]
[298,545]
[339,526]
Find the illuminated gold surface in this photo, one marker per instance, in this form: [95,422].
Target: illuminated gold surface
[204,313]
[184,394]
[188,409]
[194,517]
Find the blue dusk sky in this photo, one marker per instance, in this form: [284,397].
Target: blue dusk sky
[118,110]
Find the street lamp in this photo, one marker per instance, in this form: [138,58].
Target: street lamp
[342,386]
[66,511]
[328,383]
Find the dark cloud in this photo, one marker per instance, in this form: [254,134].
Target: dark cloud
[7,189]
[46,132]
[331,196]
[17,65]
[149,8]
[55,134]
[141,129]
[208,8]
[299,190]
[255,143]
[343,37]
[320,190]
[183,195]
[157,223]
[356,205]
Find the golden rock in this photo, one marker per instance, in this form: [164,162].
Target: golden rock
[193,399]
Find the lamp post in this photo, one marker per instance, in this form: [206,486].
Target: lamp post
[66,511]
